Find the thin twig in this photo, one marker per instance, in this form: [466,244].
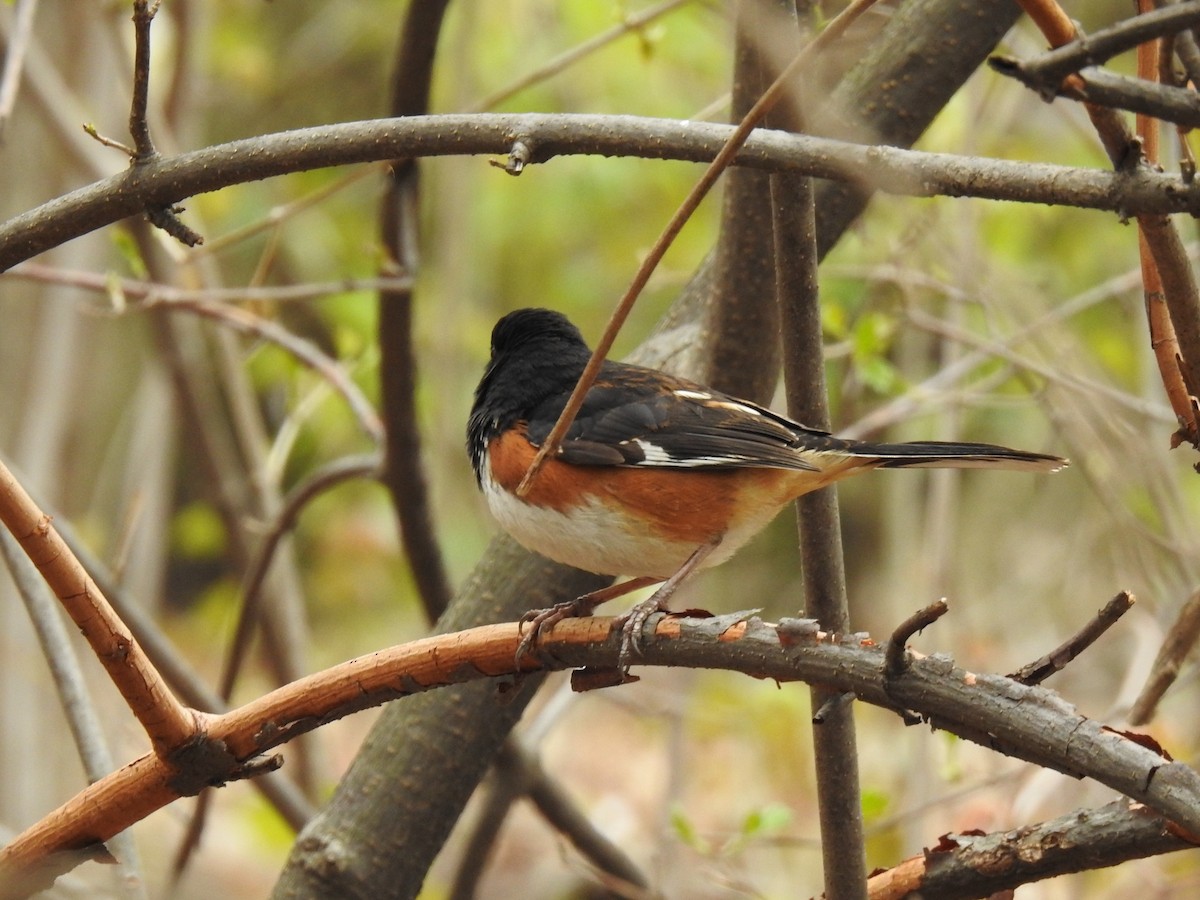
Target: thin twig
[777,91]
[835,745]
[405,469]
[1101,88]
[1180,640]
[162,215]
[277,215]
[139,127]
[124,289]
[1057,659]
[304,351]
[630,23]
[301,495]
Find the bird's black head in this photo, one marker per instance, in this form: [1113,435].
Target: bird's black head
[536,354]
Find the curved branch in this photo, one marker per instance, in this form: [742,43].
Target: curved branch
[168,180]
[1028,723]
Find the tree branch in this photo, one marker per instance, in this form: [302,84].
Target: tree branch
[1045,73]
[963,866]
[167,180]
[167,722]
[1029,723]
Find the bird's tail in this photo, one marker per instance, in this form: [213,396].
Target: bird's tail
[948,455]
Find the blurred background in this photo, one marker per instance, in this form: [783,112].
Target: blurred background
[945,319]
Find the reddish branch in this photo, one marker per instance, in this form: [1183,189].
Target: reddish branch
[169,724]
[1025,722]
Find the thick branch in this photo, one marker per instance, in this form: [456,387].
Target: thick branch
[167,180]
[1029,723]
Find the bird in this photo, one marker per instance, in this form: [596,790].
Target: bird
[657,476]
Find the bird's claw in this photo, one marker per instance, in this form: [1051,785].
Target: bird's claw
[542,620]
[633,625]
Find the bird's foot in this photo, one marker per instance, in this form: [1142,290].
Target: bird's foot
[542,620]
[633,625]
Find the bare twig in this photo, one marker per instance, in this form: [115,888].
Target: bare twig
[139,128]
[835,748]
[632,22]
[405,464]
[104,141]
[1180,640]
[1175,341]
[161,215]
[519,772]
[1057,659]
[304,351]
[124,289]
[319,481]
[1101,88]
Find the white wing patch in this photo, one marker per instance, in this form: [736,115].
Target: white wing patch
[654,455]
[734,405]
[709,400]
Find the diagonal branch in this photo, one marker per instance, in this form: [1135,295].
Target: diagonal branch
[168,723]
[963,865]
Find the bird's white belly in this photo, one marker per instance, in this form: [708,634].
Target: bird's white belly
[597,538]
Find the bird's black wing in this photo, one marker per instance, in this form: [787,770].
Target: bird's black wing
[640,417]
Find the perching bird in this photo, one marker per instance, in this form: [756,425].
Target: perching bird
[657,476]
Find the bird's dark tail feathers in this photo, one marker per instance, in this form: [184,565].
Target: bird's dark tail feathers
[948,455]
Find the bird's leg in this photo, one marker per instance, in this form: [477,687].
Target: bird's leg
[634,621]
[540,620]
